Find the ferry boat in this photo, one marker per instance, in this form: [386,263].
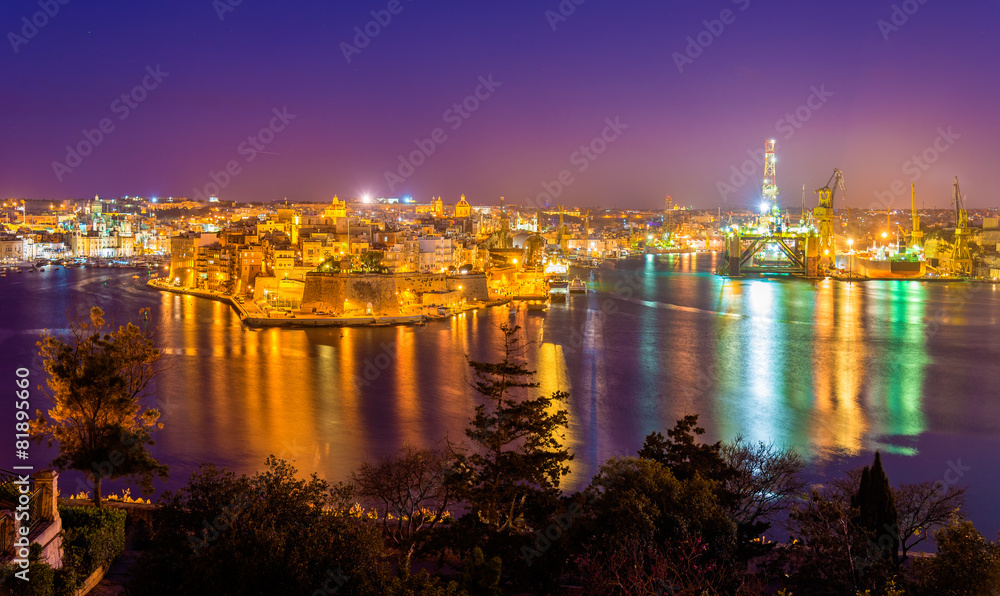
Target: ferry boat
[577,286]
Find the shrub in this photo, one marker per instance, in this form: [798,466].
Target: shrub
[41,577]
[92,537]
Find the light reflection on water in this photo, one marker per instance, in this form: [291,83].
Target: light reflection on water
[828,368]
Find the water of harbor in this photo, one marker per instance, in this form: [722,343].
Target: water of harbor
[831,369]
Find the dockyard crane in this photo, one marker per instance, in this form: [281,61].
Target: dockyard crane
[824,213]
[961,258]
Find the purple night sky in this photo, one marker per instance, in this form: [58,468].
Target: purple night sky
[890,93]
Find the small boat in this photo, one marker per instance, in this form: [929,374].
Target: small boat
[577,286]
[537,307]
[558,289]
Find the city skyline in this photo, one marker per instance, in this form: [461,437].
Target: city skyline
[587,104]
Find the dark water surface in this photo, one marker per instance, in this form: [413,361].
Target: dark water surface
[831,369]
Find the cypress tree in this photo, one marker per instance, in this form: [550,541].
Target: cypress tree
[877,510]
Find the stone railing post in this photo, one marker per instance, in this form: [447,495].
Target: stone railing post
[47,482]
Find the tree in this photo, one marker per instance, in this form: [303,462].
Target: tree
[517,457]
[269,533]
[765,481]
[97,377]
[877,510]
[508,477]
[412,493]
[642,529]
[686,457]
[641,500]
[479,576]
[371,262]
[828,550]
[965,563]
[922,508]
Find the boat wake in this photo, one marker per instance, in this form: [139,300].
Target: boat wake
[705,311]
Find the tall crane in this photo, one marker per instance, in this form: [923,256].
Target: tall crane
[961,258]
[824,213]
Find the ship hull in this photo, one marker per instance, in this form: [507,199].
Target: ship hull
[889,269]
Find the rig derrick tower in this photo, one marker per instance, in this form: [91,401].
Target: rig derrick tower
[769,191]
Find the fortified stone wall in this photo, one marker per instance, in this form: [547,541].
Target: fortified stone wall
[473,286]
[420,282]
[374,289]
[326,292]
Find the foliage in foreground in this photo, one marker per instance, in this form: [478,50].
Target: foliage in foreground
[97,377]
[270,533]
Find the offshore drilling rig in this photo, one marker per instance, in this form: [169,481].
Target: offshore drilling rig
[773,244]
